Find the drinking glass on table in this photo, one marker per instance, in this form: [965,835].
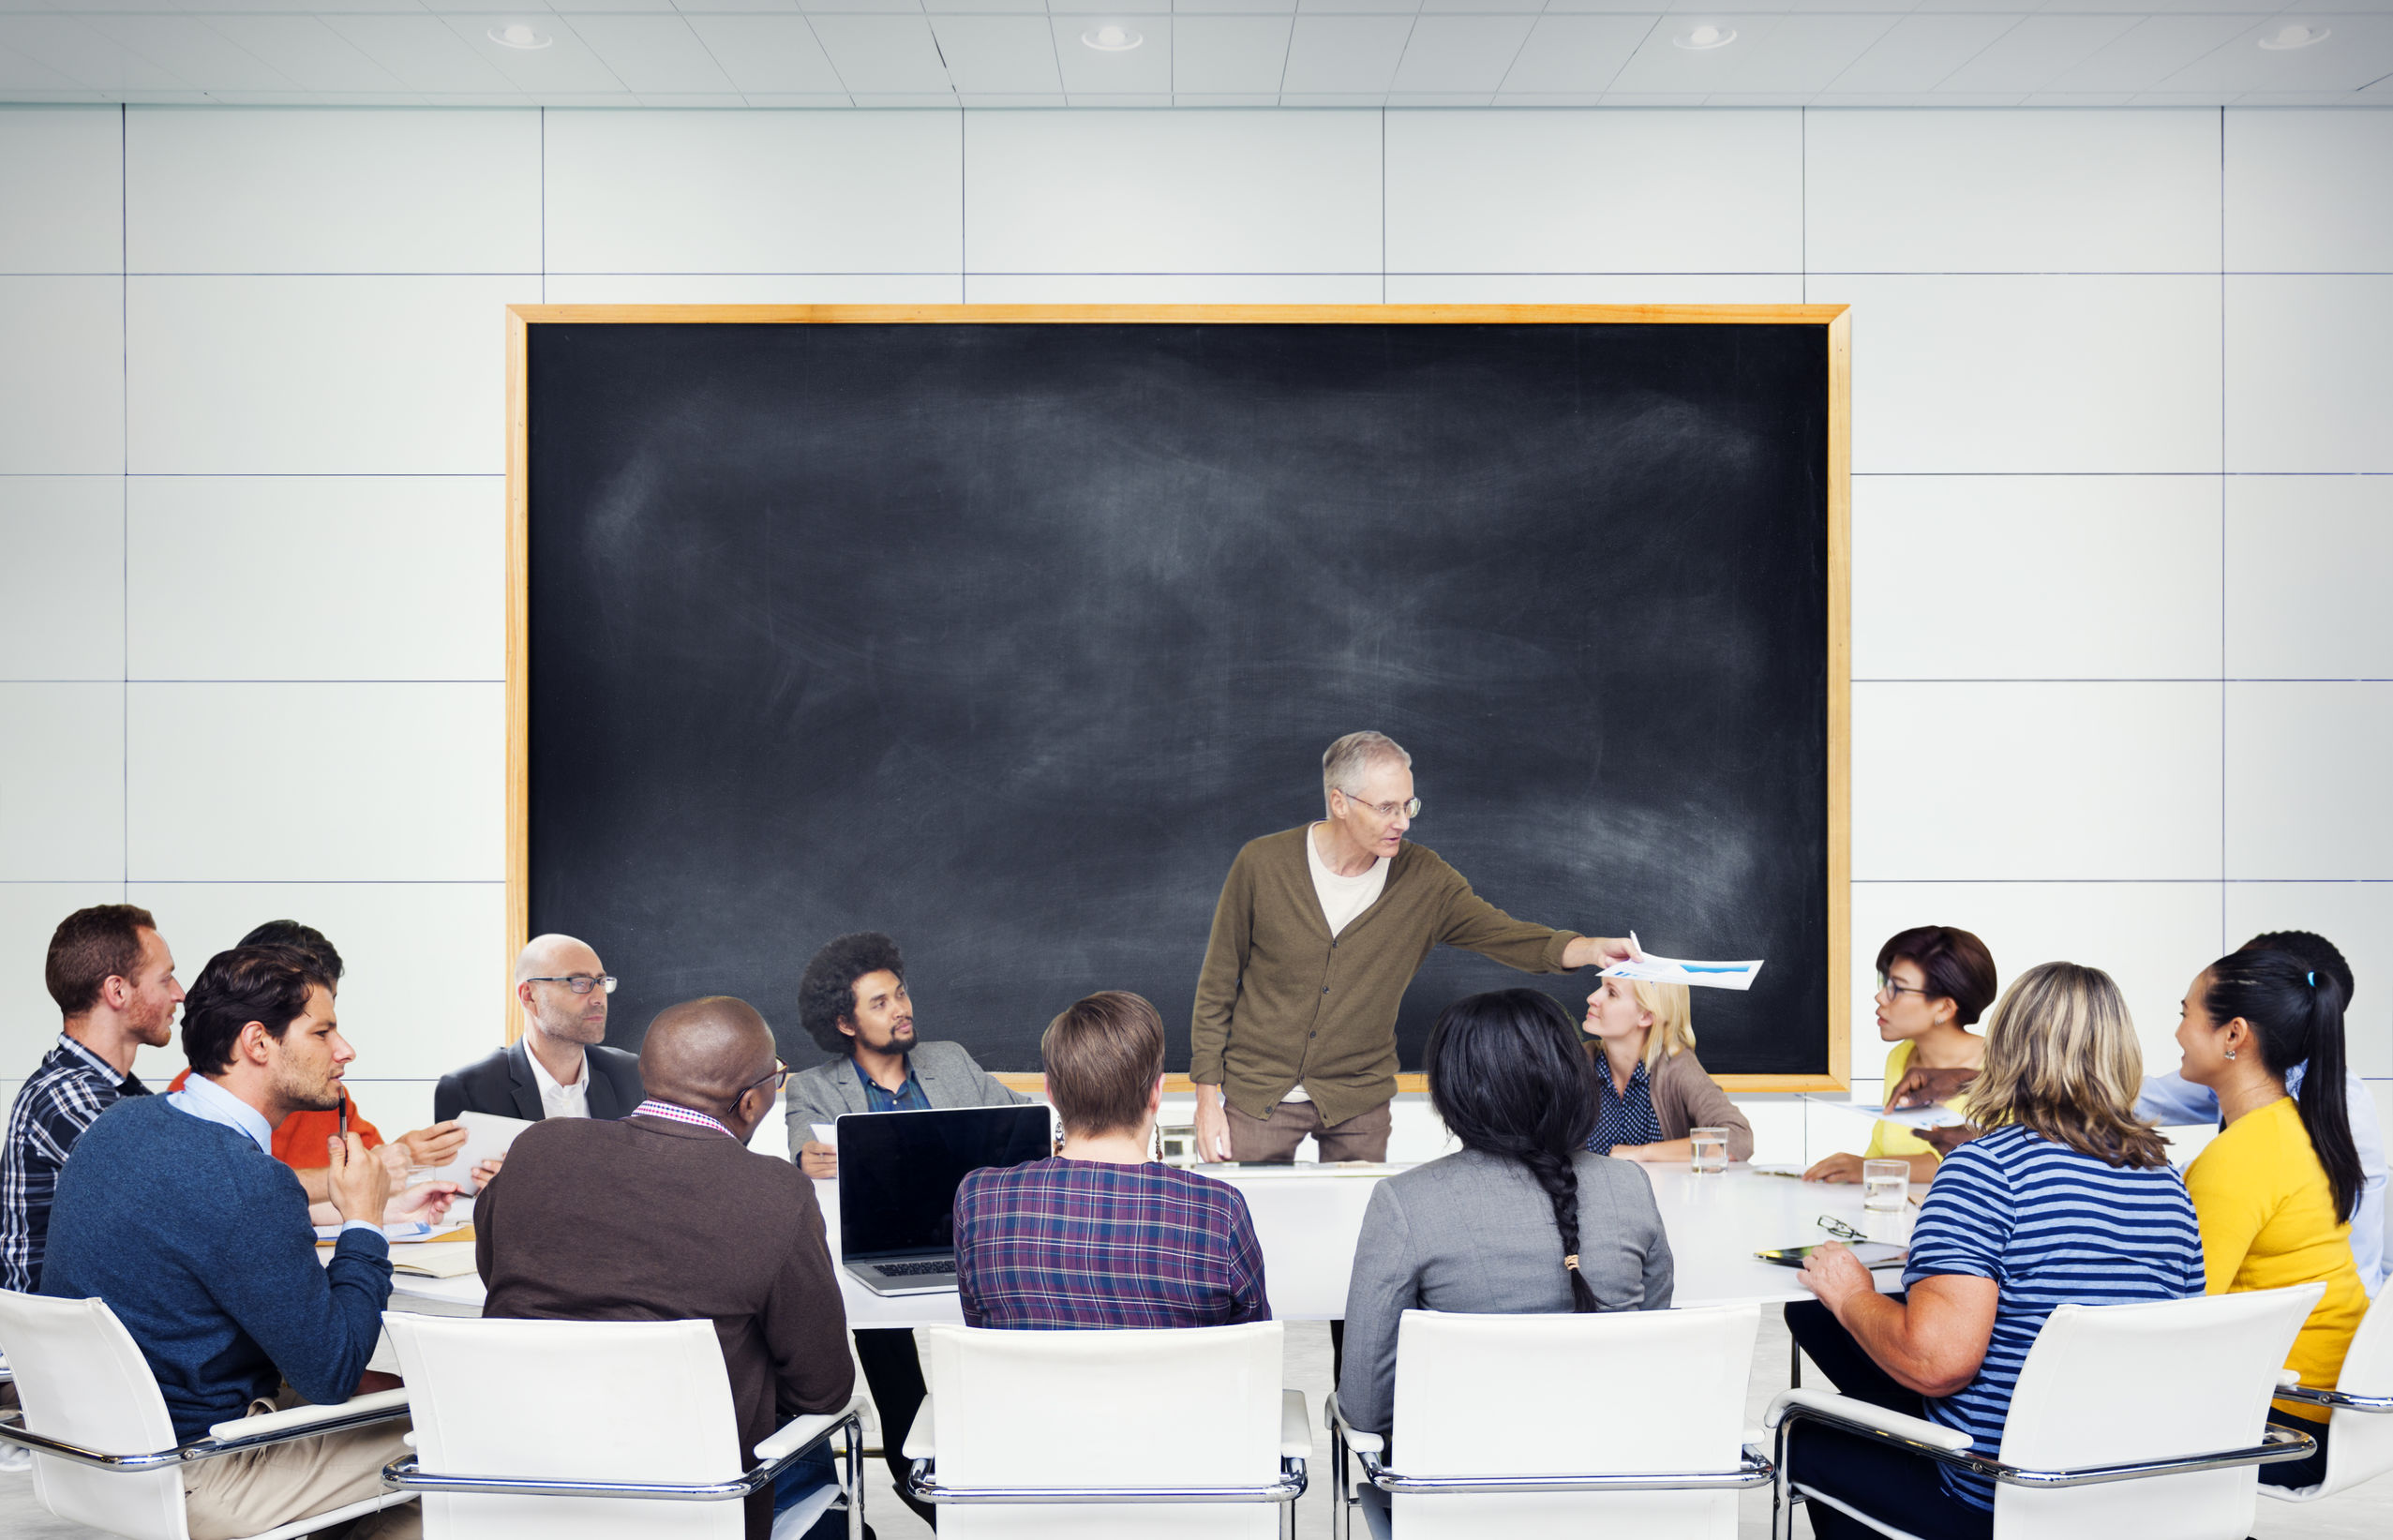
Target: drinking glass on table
[1886,1185]
[1709,1150]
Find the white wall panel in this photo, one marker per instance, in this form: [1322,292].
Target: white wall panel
[2305,191]
[300,783]
[1174,289]
[425,980]
[344,190]
[2306,784]
[354,578]
[2151,937]
[2005,192]
[29,912]
[238,375]
[754,192]
[2035,576]
[62,783]
[1594,289]
[755,288]
[2032,374]
[1171,192]
[59,185]
[62,577]
[2358,917]
[62,376]
[2035,782]
[2308,558]
[2307,383]
[1523,191]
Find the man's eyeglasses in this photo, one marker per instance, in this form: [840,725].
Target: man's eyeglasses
[1386,809]
[780,1077]
[581,983]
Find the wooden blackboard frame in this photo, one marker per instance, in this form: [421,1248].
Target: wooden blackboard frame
[1838,513]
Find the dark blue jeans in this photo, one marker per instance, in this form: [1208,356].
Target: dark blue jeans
[798,1480]
[1902,1489]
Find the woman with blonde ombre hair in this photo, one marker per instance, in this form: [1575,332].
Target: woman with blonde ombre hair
[1651,1091]
[2068,1199]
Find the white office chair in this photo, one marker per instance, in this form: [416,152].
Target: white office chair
[541,1430]
[2359,1431]
[104,1451]
[2128,1420]
[1167,1435]
[1547,1427]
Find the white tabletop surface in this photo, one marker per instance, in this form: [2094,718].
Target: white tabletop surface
[1307,1220]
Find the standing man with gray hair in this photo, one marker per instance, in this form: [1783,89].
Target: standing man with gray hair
[1319,931]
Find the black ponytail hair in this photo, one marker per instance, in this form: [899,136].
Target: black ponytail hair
[1507,1076]
[2295,1012]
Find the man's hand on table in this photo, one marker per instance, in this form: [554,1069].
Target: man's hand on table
[1213,1124]
[1951,1136]
[1835,1274]
[817,1159]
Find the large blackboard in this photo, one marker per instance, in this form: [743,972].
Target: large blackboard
[1003,637]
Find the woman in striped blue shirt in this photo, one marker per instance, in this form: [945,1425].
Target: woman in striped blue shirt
[2071,1199]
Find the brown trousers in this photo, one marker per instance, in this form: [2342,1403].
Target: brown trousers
[261,1489]
[1362,1137]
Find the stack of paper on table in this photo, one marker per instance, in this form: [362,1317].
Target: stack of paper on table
[1935,1116]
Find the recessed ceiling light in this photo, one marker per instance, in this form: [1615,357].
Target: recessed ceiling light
[1705,36]
[1112,39]
[517,34]
[2296,36]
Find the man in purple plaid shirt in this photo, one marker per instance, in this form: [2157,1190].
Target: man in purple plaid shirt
[1101,1237]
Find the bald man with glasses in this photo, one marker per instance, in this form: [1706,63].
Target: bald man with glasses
[1319,931]
[561,1066]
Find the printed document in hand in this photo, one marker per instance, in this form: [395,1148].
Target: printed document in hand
[1935,1116]
[486,1134]
[1648,968]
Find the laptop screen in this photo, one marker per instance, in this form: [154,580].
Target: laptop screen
[898,1171]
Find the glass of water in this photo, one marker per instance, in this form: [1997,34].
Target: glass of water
[1886,1185]
[1710,1150]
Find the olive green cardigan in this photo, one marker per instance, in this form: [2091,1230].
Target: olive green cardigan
[1281,1003]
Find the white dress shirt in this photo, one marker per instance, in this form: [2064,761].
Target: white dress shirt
[558,1099]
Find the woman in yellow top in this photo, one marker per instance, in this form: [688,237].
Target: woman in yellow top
[1933,982]
[2274,1192]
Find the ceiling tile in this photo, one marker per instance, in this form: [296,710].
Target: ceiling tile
[1225,98]
[769,53]
[1771,54]
[1228,56]
[1461,53]
[84,55]
[186,46]
[567,68]
[1569,54]
[1003,55]
[2040,49]
[19,74]
[2356,53]
[2150,52]
[1234,8]
[885,57]
[307,52]
[652,55]
[1341,55]
[1919,51]
[423,55]
[862,8]
[1144,71]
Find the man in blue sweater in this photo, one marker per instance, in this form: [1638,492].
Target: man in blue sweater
[175,1210]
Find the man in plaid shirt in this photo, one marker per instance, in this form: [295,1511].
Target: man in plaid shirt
[1099,1237]
[113,978]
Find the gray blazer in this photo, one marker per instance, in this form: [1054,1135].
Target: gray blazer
[1473,1233]
[949,1075]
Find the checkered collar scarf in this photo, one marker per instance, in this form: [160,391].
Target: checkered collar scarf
[666,1110]
[1624,1118]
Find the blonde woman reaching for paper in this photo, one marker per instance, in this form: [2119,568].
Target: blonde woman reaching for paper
[1650,1090]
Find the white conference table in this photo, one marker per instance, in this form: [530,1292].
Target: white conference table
[1308,1218]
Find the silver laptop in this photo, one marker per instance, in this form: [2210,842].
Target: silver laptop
[898,1172]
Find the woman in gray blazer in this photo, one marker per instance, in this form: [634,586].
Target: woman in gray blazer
[1522,1220]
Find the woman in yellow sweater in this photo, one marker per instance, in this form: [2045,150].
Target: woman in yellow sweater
[1933,982]
[2274,1192]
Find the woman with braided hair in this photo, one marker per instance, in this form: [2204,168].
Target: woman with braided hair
[1522,1220]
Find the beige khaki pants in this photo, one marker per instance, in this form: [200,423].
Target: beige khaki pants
[261,1489]
[1361,1137]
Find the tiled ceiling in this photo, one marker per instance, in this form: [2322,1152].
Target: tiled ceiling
[1194,52]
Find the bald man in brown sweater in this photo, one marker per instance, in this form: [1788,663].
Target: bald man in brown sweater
[667,1215]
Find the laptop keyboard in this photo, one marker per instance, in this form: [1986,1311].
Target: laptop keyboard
[914,1269]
